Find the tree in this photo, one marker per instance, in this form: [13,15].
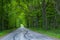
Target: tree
[44,14]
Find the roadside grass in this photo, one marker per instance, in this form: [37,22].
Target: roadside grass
[50,33]
[5,32]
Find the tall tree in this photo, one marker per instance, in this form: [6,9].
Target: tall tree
[44,14]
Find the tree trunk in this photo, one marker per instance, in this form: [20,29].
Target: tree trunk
[44,14]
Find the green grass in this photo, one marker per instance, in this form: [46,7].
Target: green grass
[5,32]
[50,33]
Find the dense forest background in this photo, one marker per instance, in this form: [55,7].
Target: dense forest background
[39,14]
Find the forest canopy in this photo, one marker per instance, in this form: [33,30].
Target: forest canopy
[43,14]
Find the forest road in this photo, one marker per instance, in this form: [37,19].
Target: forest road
[25,34]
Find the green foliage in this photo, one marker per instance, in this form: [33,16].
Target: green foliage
[31,13]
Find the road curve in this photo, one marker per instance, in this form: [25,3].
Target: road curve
[25,34]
